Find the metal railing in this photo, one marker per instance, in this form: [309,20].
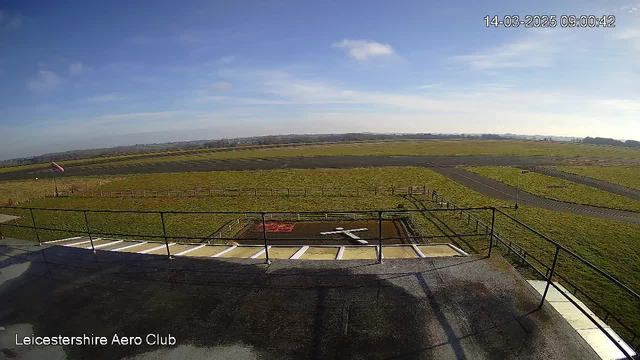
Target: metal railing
[482,228]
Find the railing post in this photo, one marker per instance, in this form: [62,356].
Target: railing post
[553,270]
[379,237]
[164,233]
[264,236]
[86,223]
[35,228]
[493,221]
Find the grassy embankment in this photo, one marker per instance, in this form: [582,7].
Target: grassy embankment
[555,188]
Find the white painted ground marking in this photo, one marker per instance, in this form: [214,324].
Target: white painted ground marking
[81,242]
[56,241]
[415,247]
[154,249]
[107,244]
[259,253]
[349,233]
[299,253]
[190,250]
[458,250]
[595,337]
[225,251]
[129,246]
[381,253]
[340,253]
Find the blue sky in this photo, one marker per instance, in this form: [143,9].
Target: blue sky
[83,74]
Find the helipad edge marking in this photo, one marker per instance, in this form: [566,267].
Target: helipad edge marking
[340,253]
[458,250]
[154,249]
[129,246]
[103,245]
[190,250]
[415,247]
[225,251]
[299,253]
[254,256]
[82,242]
[56,241]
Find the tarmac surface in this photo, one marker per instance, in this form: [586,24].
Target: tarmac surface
[506,192]
[435,308]
[301,163]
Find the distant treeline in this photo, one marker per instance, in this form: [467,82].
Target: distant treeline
[236,142]
[608,141]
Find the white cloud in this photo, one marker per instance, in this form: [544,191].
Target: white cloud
[622,105]
[78,68]
[225,60]
[533,52]
[429,86]
[106,98]
[362,50]
[629,34]
[45,81]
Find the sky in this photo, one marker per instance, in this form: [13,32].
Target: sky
[87,74]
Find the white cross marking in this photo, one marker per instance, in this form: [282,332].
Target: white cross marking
[348,233]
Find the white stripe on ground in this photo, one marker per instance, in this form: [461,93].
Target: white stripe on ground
[190,250]
[225,251]
[129,246]
[299,253]
[418,251]
[153,249]
[106,244]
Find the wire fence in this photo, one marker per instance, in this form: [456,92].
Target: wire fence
[251,191]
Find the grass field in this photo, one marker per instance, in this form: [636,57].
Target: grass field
[555,188]
[422,147]
[610,245]
[626,176]
[20,191]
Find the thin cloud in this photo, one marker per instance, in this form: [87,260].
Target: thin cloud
[429,86]
[78,68]
[363,50]
[222,86]
[11,21]
[45,81]
[530,53]
[106,98]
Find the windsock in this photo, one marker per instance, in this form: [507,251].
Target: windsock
[57,167]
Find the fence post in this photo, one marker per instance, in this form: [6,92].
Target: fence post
[379,237]
[264,236]
[86,223]
[164,233]
[35,228]
[553,269]
[493,221]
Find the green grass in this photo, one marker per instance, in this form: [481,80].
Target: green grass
[21,191]
[626,176]
[555,188]
[610,245]
[422,147]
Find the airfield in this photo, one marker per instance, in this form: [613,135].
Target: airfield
[330,216]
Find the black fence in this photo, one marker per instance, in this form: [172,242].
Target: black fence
[480,222]
[253,191]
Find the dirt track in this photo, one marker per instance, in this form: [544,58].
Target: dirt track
[505,192]
[303,163]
